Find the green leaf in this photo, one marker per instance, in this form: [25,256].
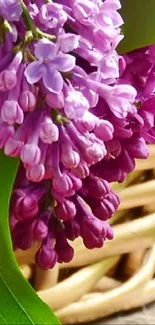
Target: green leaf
[139,26]
[19,304]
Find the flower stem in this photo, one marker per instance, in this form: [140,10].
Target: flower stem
[7,26]
[27,19]
[58,118]
[37,33]
[41,34]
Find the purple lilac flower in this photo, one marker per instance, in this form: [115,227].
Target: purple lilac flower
[10,9]
[52,16]
[51,61]
[76,113]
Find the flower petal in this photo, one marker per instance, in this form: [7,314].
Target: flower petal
[64,62]
[119,106]
[33,72]
[10,10]
[45,50]
[53,80]
[68,42]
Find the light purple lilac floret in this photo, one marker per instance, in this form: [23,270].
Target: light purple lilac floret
[76,113]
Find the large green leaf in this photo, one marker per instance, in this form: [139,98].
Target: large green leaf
[139,26]
[19,303]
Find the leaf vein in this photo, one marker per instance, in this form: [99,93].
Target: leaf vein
[16,299]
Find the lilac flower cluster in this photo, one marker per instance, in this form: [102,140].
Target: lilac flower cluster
[140,72]
[70,111]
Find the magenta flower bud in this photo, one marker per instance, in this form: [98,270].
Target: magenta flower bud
[27,101]
[40,230]
[26,208]
[8,80]
[126,161]
[72,229]
[12,222]
[87,123]
[81,171]
[62,184]
[48,172]
[35,173]
[64,251]
[114,148]
[94,153]
[70,192]
[23,235]
[107,207]
[75,104]
[109,231]
[25,202]
[16,62]
[60,197]
[93,232]
[30,154]
[55,100]
[114,198]
[13,147]
[104,210]
[104,130]
[8,77]
[49,132]
[22,239]
[138,148]
[11,112]
[150,84]
[46,257]
[5,134]
[65,210]
[97,187]
[70,158]
[77,183]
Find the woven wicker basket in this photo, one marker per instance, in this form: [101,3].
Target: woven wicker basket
[115,278]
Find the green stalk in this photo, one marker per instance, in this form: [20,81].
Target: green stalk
[37,33]
[27,19]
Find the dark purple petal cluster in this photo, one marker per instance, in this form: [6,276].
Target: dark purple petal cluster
[140,72]
[36,216]
[75,113]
